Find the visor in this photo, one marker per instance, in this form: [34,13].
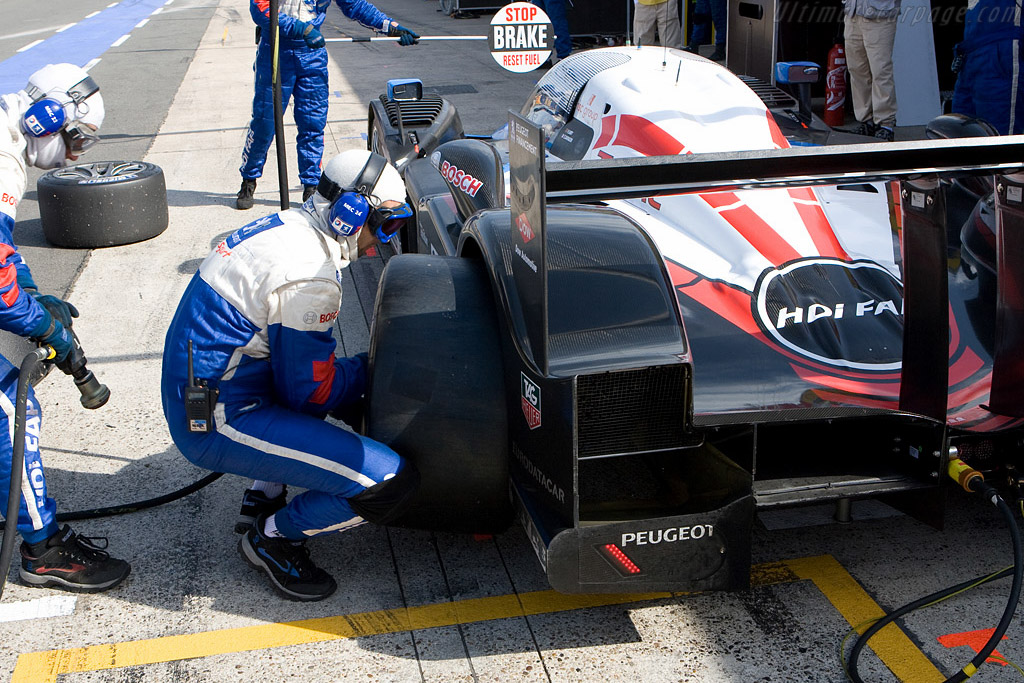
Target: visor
[388,221]
[79,137]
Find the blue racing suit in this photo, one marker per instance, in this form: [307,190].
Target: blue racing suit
[989,81]
[303,73]
[21,314]
[259,315]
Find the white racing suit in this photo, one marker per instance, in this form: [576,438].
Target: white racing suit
[22,315]
[259,315]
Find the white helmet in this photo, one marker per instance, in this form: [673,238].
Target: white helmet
[62,98]
[356,183]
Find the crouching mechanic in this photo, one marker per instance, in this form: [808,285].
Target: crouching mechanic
[256,322]
[48,123]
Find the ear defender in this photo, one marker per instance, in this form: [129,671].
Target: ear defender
[348,213]
[44,117]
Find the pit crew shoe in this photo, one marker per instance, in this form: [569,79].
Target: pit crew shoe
[257,504]
[718,55]
[307,192]
[71,562]
[287,564]
[245,193]
[867,128]
[884,134]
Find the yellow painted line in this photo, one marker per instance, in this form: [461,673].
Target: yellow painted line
[891,644]
[842,590]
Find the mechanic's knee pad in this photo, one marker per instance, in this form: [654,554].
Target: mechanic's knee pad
[385,502]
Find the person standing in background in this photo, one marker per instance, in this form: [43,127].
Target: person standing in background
[661,16]
[870,32]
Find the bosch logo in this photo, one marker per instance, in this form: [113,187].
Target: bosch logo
[460,179]
[847,314]
[530,401]
[328,317]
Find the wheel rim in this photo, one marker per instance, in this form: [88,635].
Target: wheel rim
[99,169]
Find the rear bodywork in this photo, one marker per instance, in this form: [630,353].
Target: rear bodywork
[700,320]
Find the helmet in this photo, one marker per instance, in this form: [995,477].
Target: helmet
[63,98]
[948,126]
[356,182]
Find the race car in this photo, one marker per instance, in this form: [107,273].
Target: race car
[646,310]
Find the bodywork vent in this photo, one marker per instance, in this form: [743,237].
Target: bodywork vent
[632,411]
[769,94]
[419,113]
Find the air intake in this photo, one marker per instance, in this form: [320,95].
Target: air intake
[414,113]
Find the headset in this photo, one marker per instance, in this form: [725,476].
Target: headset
[352,206]
[46,115]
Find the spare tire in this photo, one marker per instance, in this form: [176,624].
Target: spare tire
[437,394]
[102,204]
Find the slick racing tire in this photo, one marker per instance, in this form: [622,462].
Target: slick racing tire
[102,204]
[436,393]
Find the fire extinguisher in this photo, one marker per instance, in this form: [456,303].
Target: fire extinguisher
[835,86]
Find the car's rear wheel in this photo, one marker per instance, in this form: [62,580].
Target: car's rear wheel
[102,204]
[437,393]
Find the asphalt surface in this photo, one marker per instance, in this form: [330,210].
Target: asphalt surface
[411,605]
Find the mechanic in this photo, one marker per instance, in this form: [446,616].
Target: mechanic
[51,121]
[555,9]
[303,73]
[254,331]
[988,65]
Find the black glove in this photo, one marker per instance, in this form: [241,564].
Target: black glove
[55,336]
[404,35]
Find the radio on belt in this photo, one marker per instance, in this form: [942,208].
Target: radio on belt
[199,400]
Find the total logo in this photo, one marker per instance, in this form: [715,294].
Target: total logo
[530,401]
[523,224]
[842,313]
[460,179]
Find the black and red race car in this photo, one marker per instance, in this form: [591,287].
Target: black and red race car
[647,309]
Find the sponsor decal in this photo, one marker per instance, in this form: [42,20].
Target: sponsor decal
[586,112]
[525,231]
[521,37]
[8,198]
[309,317]
[671,535]
[530,401]
[254,228]
[546,482]
[847,314]
[328,317]
[223,250]
[460,179]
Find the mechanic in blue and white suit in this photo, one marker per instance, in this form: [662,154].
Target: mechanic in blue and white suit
[990,83]
[303,74]
[258,317]
[47,124]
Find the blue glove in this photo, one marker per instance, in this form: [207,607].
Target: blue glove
[404,35]
[55,336]
[309,34]
[322,5]
[58,308]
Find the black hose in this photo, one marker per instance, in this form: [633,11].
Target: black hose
[28,366]
[1004,623]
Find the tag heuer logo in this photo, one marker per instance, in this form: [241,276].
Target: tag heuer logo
[530,401]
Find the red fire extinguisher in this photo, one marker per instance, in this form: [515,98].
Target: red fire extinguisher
[835,86]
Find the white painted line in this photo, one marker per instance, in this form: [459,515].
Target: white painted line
[90,16]
[41,608]
[30,45]
[92,63]
[111,5]
[142,23]
[168,2]
[119,41]
[64,28]
[158,10]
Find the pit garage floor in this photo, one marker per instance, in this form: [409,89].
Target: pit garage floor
[412,605]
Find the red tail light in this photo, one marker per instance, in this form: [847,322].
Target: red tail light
[618,559]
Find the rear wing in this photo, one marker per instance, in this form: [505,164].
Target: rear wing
[917,166]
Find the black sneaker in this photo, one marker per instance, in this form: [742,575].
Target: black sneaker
[245,193]
[287,565]
[257,504]
[307,191]
[865,128]
[718,55]
[885,134]
[67,560]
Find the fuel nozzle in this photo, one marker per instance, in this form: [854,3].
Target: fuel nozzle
[966,476]
[94,394]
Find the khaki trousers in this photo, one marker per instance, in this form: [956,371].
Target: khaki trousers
[663,16]
[869,45]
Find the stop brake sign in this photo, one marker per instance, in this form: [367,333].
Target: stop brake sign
[521,37]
